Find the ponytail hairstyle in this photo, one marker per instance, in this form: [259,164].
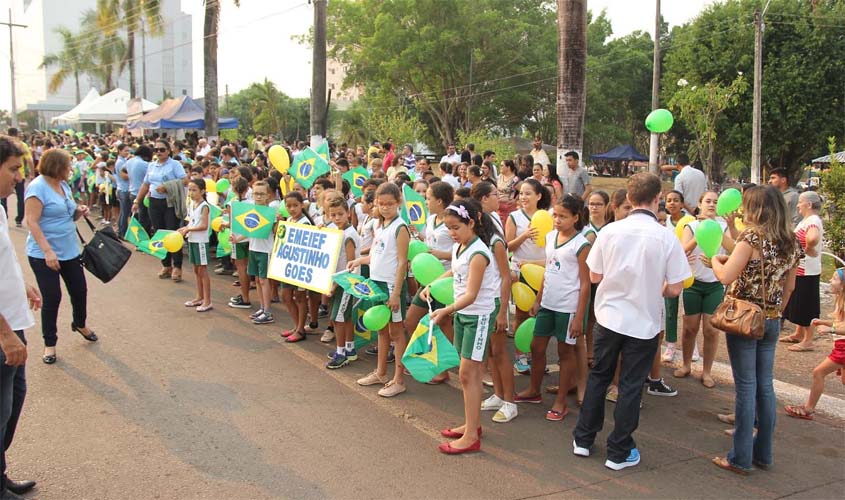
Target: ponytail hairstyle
[576,206]
[545,200]
[480,191]
[617,199]
[200,184]
[296,195]
[240,187]
[443,191]
[388,189]
[469,209]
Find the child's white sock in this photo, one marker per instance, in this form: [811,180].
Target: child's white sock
[350,346]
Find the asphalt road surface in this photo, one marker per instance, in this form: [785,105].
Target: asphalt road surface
[175,404]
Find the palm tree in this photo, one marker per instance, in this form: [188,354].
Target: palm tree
[129,15]
[267,108]
[571,74]
[69,60]
[106,53]
[209,58]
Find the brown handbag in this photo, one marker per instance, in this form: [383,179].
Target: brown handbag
[740,317]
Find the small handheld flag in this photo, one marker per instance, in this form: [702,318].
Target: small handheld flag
[135,233]
[363,336]
[224,246]
[307,167]
[359,287]
[252,221]
[155,246]
[356,179]
[413,209]
[323,150]
[426,358]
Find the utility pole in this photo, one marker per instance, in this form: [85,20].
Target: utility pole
[654,139]
[11,25]
[227,95]
[757,118]
[144,60]
[469,97]
[318,75]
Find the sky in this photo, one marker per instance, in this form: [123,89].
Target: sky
[256,40]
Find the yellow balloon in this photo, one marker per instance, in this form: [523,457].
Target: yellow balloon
[523,296]
[173,242]
[215,224]
[688,282]
[679,227]
[279,158]
[210,186]
[533,275]
[542,220]
[739,224]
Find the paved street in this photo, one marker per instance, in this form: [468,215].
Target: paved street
[175,404]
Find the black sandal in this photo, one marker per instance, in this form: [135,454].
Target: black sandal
[48,359]
[91,337]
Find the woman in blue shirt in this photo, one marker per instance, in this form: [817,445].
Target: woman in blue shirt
[53,248]
[160,171]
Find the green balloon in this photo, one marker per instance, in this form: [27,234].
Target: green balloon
[283,210]
[708,235]
[659,121]
[427,268]
[147,201]
[443,290]
[524,335]
[376,317]
[729,201]
[415,248]
[222,185]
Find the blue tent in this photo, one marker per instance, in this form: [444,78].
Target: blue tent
[626,152]
[181,112]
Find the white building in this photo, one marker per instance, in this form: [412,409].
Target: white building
[335,74]
[167,58]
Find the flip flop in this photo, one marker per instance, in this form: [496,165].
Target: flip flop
[793,411]
[552,389]
[708,382]
[556,416]
[202,309]
[723,463]
[193,303]
[789,340]
[295,337]
[800,348]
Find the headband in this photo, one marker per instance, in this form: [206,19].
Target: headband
[841,273]
[460,210]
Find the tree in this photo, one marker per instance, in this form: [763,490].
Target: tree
[209,57]
[69,60]
[418,55]
[130,15]
[106,54]
[802,74]
[261,108]
[571,74]
[833,191]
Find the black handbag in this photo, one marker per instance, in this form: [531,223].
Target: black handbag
[104,255]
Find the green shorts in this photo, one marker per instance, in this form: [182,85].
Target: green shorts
[419,302]
[341,310]
[553,324]
[257,265]
[241,250]
[472,334]
[703,298]
[198,253]
[365,270]
[495,313]
[395,316]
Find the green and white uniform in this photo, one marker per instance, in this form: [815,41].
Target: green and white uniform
[259,252]
[198,240]
[384,261]
[341,307]
[472,323]
[528,250]
[561,286]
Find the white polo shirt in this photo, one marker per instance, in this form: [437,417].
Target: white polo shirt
[635,256]
[14,305]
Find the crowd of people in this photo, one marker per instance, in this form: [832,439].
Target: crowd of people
[613,274]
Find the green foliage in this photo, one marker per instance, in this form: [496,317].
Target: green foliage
[398,125]
[699,107]
[833,192]
[737,170]
[262,109]
[802,74]
[484,141]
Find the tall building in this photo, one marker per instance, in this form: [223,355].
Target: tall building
[335,74]
[163,65]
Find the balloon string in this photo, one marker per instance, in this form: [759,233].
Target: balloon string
[430,325]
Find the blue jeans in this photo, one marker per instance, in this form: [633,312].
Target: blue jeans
[12,395]
[125,207]
[752,363]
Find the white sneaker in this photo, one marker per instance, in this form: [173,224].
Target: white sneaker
[695,355]
[328,336]
[506,413]
[492,403]
[578,451]
[669,353]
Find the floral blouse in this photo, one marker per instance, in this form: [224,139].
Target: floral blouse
[750,286]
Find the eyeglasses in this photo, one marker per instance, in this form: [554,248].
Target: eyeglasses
[162,150]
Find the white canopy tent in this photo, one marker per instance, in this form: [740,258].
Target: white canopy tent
[110,107]
[73,114]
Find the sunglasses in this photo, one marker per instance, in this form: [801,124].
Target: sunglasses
[162,150]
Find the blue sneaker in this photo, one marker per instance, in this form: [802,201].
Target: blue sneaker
[337,361]
[390,356]
[352,355]
[632,460]
[522,365]
[372,350]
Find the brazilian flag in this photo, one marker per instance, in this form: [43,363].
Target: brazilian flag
[359,287]
[224,246]
[356,179]
[429,352]
[362,336]
[252,221]
[323,150]
[135,233]
[213,212]
[413,209]
[155,246]
[307,167]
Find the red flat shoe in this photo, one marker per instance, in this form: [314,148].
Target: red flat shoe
[448,450]
[449,433]
[295,337]
[288,333]
[556,416]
